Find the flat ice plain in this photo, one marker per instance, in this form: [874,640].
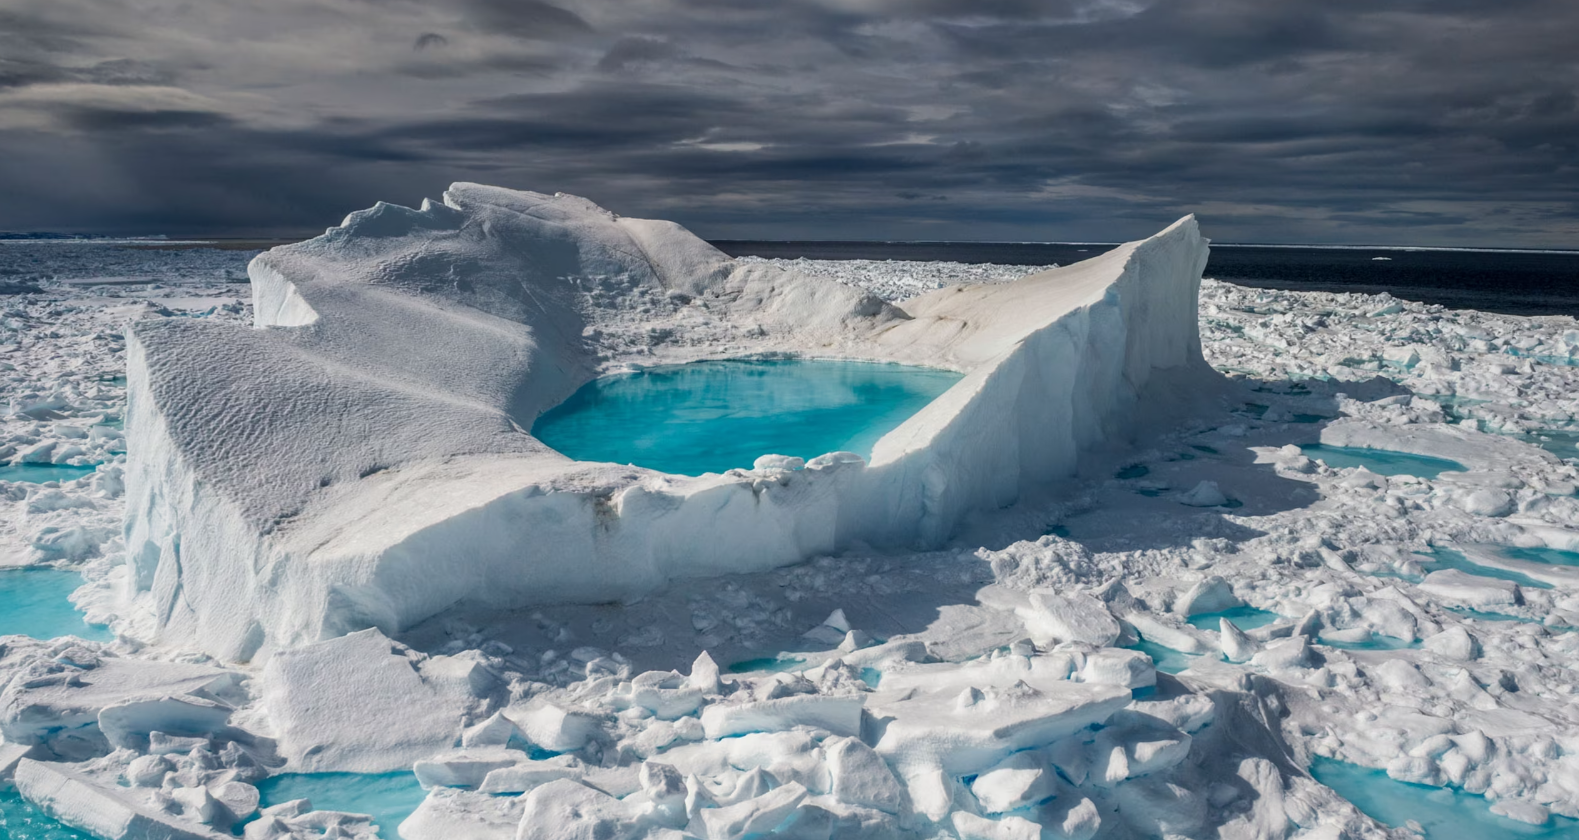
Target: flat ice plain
[988,687]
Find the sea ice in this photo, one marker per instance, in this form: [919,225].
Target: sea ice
[1008,666]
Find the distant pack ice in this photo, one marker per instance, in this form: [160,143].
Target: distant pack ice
[360,458]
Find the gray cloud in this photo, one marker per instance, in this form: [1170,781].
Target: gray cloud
[429,40]
[1442,122]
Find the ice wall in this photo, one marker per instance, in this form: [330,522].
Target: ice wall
[359,458]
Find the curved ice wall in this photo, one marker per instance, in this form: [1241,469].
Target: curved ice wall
[360,457]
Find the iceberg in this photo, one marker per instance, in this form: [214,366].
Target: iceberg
[360,458]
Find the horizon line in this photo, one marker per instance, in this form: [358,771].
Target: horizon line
[44,237]
[1476,249]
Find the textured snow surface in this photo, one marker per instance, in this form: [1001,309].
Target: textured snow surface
[360,460]
[941,693]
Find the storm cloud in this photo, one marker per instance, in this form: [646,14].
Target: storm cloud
[1448,122]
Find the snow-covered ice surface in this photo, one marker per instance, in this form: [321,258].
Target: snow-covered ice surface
[992,687]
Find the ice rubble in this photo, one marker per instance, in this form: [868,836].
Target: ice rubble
[359,460]
[915,668]
[62,386]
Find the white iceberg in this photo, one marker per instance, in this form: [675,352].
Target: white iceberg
[360,459]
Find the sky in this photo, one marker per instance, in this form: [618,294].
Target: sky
[1428,122]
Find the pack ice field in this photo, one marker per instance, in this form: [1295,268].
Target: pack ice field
[411,530]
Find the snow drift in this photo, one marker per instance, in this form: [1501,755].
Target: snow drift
[360,459]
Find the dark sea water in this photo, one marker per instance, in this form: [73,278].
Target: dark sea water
[1511,282]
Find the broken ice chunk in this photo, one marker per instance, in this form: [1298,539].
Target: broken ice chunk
[840,715]
[753,816]
[1473,590]
[565,808]
[768,463]
[464,768]
[1210,595]
[1454,643]
[704,674]
[861,777]
[831,631]
[526,775]
[971,827]
[496,731]
[1113,666]
[1021,779]
[1075,617]
[1205,494]
[553,727]
[1236,645]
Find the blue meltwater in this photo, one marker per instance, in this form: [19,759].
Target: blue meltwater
[388,797]
[36,602]
[715,416]
[1382,461]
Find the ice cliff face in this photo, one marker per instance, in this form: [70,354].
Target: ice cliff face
[359,458]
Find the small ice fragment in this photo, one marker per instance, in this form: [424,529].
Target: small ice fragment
[148,771]
[1075,617]
[1236,645]
[464,768]
[1114,666]
[1205,494]
[754,816]
[1487,502]
[1213,594]
[496,731]
[1020,780]
[704,674]
[777,462]
[971,827]
[837,621]
[1454,643]
[553,727]
[861,777]
[1082,821]
[1474,590]
[566,808]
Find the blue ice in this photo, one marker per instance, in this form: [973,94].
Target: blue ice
[1167,660]
[1244,617]
[36,602]
[715,416]
[1447,558]
[1375,642]
[40,473]
[1548,556]
[20,820]
[1381,461]
[1444,813]
[1564,443]
[388,797]
[766,663]
[1490,616]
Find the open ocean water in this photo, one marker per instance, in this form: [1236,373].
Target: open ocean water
[1510,282]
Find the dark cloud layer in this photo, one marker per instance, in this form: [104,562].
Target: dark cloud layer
[1431,122]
